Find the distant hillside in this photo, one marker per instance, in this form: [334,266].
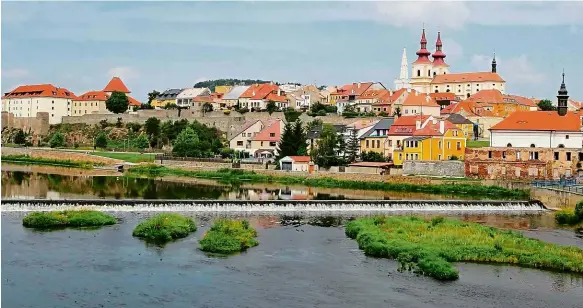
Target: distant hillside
[211,84]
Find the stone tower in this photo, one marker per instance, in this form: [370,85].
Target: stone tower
[562,98]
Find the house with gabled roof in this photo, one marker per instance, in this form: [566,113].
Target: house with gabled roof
[186,97]
[28,100]
[420,104]
[374,139]
[165,98]
[93,102]
[231,97]
[241,139]
[257,96]
[264,143]
[348,94]
[402,128]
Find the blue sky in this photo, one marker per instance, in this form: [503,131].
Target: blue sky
[159,45]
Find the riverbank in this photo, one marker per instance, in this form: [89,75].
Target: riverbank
[235,176]
[26,160]
[50,157]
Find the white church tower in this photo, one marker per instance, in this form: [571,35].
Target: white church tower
[422,74]
[403,81]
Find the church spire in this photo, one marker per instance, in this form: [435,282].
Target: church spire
[562,98]
[438,55]
[403,80]
[423,54]
[494,63]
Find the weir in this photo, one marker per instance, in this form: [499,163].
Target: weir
[274,206]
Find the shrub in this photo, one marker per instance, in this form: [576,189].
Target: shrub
[579,210]
[20,137]
[57,140]
[101,141]
[71,218]
[165,227]
[229,236]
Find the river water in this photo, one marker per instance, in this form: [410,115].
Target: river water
[302,260]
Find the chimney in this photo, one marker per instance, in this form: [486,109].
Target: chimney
[408,90]
[253,92]
[278,92]
[359,85]
[434,121]
[271,82]
[390,93]
[417,124]
[441,126]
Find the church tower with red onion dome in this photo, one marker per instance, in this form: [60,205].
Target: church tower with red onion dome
[439,65]
[422,73]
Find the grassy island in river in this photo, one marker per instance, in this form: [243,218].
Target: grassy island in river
[238,175]
[73,218]
[26,159]
[228,236]
[165,227]
[429,247]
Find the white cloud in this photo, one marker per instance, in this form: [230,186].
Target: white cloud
[452,48]
[482,63]
[413,14]
[197,80]
[123,72]
[15,73]
[519,70]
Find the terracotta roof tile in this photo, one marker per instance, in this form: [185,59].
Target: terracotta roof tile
[203,99]
[467,77]
[92,96]
[276,98]
[301,159]
[442,96]
[271,127]
[115,84]
[40,90]
[356,88]
[133,101]
[431,129]
[418,99]
[541,121]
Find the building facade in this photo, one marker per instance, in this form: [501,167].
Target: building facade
[27,101]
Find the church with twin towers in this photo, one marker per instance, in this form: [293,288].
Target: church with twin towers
[431,74]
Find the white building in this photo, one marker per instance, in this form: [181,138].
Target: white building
[241,140]
[26,101]
[297,163]
[186,97]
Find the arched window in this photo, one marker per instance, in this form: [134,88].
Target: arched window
[532,145]
[447,90]
[418,73]
[509,145]
[428,73]
[468,95]
[434,74]
[561,146]
[436,91]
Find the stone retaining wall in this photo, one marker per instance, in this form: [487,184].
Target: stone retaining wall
[446,168]
[61,155]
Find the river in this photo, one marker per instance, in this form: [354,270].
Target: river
[302,260]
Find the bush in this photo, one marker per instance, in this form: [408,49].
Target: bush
[20,137]
[165,227]
[57,140]
[72,218]
[568,217]
[453,157]
[229,236]
[101,141]
[579,210]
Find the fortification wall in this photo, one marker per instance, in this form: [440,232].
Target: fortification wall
[447,168]
[38,125]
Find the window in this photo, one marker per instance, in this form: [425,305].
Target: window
[407,156]
[400,155]
[271,134]
[239,143]
[532,145]
[428,72]
[509,145]
[378,143]
[568,156]
[566,136]
[448,145]
[53,115]
[261,143]
[533,155]
[272,143]
[438,156]
[561,146]
[504,154]
[517,155]
[490,154]
[390,142]
[458,145]
[556,155]
[367,143]
[439,144]
[52,108]
[418,73]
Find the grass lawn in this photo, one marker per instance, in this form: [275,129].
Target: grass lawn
[429,247]
[129,157]
[478,143]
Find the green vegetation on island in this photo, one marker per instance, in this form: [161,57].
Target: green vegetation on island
[165,227]
[428,247]
[229,236]
[570,217]
[71,218]
[26,159]
[238,176]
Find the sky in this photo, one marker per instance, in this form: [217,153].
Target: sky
[160,45]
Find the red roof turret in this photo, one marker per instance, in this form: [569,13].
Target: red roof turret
[423,54]
[438,55]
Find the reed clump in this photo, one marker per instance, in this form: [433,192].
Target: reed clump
[570,217]
[429,247]
[237,175]
[165,227]
[71,218]
[228,236]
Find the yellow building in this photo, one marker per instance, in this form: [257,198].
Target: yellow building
[465,125]
[374,139]
[435,140]
[165,98]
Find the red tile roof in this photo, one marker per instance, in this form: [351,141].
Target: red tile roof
[356,88]
[443,96]
[276,98]
[523,100]
[469,108]
[406,125]
[541,121]
[133,101]
[40,90]
[449,108]
[259,91]
[467,77]
[271,127]
[115,84]
[487,96]
[301,159]
[92,96]
[203,99]
[431,129]
[576,104]
[419,99]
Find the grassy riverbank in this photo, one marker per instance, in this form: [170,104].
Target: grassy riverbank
[165,227]
[228,236]
[129,157]
[428,247]
[76,218]
[570,217]
[238,176]
[25,159]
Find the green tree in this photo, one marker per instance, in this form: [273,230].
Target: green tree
[299,138]
[171,106]
[117,103]
[328,151]
[207,107]
[57,140]
[141,142]
[353,146]
[20,137]
[287,144]
[152,126]
[314,124]
[101,141]
[546,105]
[372,157]
[271,107]
[291,115]
[152,95]
[397,112]
[187,144]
